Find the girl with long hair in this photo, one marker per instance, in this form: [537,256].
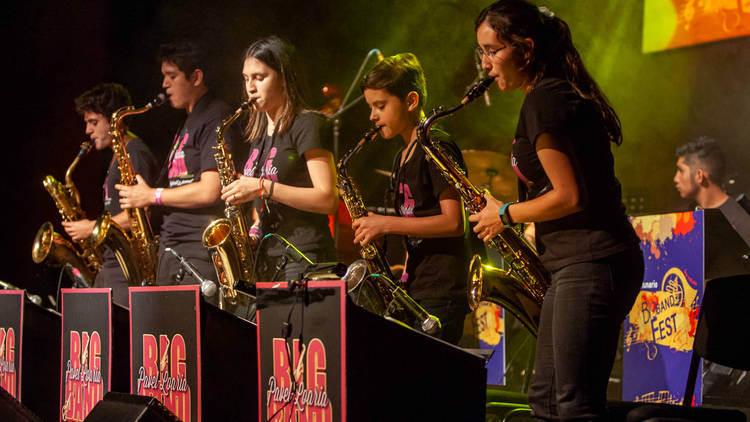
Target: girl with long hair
[561,154]
[289,174]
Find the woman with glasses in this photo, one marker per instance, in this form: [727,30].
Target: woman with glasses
[561,154]
[289,173]
[429,210]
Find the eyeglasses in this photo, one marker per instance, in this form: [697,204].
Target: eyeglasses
[491,54]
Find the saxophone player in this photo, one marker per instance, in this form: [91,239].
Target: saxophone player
[561,153]
[289,173]
[190,199]
[95,106]
[430,213]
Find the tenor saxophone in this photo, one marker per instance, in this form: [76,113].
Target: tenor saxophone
[137,253]
[82,260]
[227,238]
[520,288]
[373,288]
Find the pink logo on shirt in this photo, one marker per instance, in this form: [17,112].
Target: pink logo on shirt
[249,169]
[177,167]
[269,170]
[407,208]
[107,198]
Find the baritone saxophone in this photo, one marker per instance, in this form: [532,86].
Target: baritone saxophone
[370,284]
[136,253]
[227,238]
[81,259]
[520,288]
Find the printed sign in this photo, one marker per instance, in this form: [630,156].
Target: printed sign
[659,331]
[11,333]
[165,360]
[490,320]
[301,352]
[86,351]
[676,23]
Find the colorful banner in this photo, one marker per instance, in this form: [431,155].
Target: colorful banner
[11,334]
[165,358]
[301,352]
[86,351]
[659,331]
[490,320]
[676,23]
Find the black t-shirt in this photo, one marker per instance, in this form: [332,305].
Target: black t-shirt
[283,161]
[191,154]
[436,266]
[601,228]
[144,163]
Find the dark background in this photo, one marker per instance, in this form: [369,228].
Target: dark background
[55,51]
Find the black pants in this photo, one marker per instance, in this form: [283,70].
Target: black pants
[111,275]
[578,334]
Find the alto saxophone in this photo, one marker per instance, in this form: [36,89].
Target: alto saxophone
[521,287]
[136,254]
[227,238]
[370,284]
[81,260]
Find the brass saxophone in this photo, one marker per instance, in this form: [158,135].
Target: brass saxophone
[227,238]
[521,287]
[82,259]
[136,254]
[370,283]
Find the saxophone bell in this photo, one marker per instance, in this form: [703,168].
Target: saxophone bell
[56,251]
[487,283]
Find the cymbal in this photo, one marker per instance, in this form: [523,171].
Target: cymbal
[491,170]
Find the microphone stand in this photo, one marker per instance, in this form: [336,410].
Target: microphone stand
[335,118]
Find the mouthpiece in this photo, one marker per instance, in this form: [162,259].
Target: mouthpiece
[85,148]
[477,90]
[371,133]
[247,104]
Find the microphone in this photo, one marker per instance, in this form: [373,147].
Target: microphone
[208,287]
[481,74]
[160,99]
[297,256]
[75,274]
[35,299]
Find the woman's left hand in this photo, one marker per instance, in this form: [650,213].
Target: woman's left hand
[488,220]
[242,190]
[369,228]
